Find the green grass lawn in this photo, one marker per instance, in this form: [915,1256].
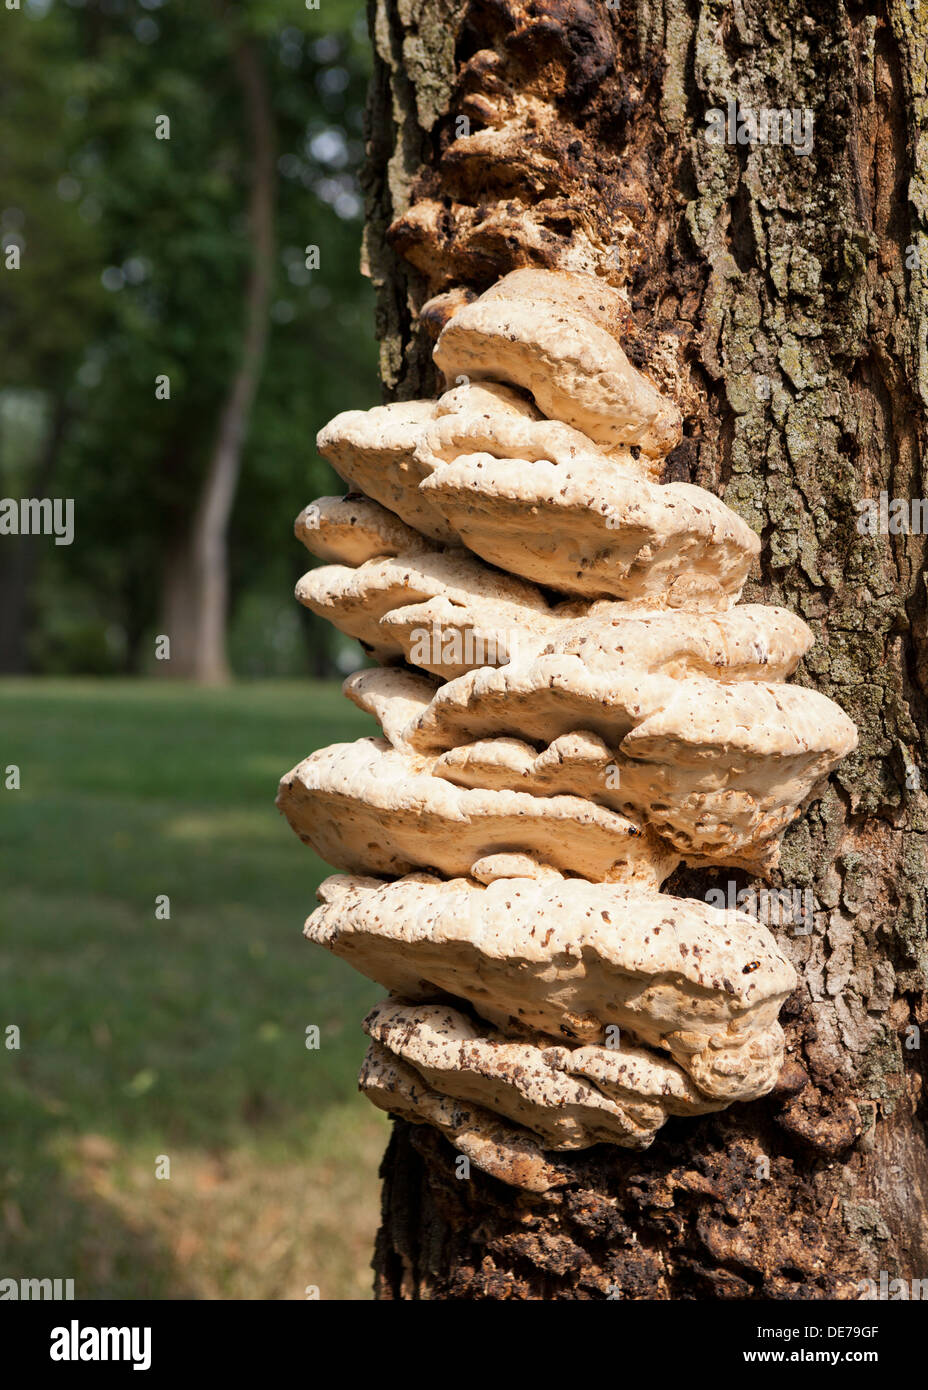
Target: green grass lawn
[183,1038]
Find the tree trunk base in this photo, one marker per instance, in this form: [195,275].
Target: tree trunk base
[692,1218]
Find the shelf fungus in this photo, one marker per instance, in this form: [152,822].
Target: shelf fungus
[573,702]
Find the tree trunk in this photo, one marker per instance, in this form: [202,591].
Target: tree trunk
[777,296]
[20,556]
[196,588]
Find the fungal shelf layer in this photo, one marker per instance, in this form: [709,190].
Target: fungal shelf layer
[572,704]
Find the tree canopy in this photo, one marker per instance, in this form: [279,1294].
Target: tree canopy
[134,250]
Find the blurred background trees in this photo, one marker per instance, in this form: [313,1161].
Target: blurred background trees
[190,259]
[186,259]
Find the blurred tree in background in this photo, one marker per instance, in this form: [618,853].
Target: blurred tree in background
[141,258]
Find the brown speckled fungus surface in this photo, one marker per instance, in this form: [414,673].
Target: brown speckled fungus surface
[572,705]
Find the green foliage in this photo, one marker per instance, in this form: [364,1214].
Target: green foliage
[135,253]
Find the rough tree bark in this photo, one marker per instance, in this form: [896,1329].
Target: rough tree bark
[779,298]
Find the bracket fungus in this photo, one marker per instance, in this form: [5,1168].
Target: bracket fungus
[572,702]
